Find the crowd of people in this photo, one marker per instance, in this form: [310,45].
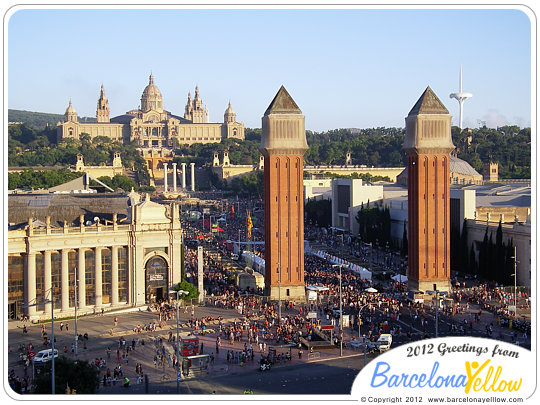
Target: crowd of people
[374,307]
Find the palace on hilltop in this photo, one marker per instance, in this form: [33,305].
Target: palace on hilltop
[150,125]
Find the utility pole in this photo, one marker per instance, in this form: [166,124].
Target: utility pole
[341,312]
[76,335]
[515,278]
[340,316]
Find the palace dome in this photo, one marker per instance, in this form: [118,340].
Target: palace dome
[151,98]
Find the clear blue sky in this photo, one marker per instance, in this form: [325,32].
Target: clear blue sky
[358,68]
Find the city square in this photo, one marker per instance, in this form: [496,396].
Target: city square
[153,252]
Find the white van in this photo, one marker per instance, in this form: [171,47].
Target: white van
[45,356]
[384,342]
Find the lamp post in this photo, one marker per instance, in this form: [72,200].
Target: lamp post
[437,294]
[178,293]
[515,280]
[360,323]
[76,336]
[46,301]
[340,312]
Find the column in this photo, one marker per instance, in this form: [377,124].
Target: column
[114,275]
[47,282]
[64,280]
[30,284]
[183,175]
[165,176]
[174,176]
[98,278]
[192,176]
[81,279]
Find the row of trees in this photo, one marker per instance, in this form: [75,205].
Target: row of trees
[495,258]
[32,179]
[319,212]
[374,224]
[43,179]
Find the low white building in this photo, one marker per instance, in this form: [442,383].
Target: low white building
[317,189]
[348,195]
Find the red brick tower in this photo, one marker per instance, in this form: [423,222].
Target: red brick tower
[283,145]
[428,143]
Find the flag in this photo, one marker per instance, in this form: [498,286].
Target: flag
[249,225]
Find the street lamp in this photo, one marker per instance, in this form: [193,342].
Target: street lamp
[178,293]
[437,294]
[515,280]
[360,323]
[76,336]
[46,301]
[340,312]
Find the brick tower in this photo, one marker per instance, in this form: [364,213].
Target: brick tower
[283,145]
[428,143]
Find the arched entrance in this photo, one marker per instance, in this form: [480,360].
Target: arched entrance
[156,279]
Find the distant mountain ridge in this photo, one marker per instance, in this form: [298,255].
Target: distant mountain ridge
[40,120]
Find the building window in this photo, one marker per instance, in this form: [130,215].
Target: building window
[40,280]
[15,278]
[72,265]
[106,279]
[56,270]
[90,278]
[122,274]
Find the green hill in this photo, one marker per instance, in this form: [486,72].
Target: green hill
[39,120]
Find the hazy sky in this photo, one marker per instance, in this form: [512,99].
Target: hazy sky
[344,68]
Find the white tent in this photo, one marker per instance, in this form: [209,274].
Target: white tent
[317,288]
[371,290]
[400,278]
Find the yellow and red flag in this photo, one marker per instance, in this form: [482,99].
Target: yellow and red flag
[249,224]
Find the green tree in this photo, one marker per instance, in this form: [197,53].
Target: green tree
[79,375]
[190,288]
[319,212]
[405,244]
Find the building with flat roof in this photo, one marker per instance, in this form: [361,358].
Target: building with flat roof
[111,250]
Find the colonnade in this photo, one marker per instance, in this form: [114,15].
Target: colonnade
[80,277]
[175,174]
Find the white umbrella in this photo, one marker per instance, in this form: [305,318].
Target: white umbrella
[371,290]
[400,278]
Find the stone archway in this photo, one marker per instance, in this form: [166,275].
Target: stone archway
[156,279]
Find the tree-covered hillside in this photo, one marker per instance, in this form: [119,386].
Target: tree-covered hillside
[509,146]
[40,120]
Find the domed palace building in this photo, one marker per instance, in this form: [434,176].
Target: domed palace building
[151,126]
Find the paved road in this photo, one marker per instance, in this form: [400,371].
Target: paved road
[331,374]
[327,375]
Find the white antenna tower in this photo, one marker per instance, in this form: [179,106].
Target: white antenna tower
[460,97]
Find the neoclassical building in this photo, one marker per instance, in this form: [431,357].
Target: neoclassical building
[151,126]
[106,259]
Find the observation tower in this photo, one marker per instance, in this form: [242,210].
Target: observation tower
[460,97]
